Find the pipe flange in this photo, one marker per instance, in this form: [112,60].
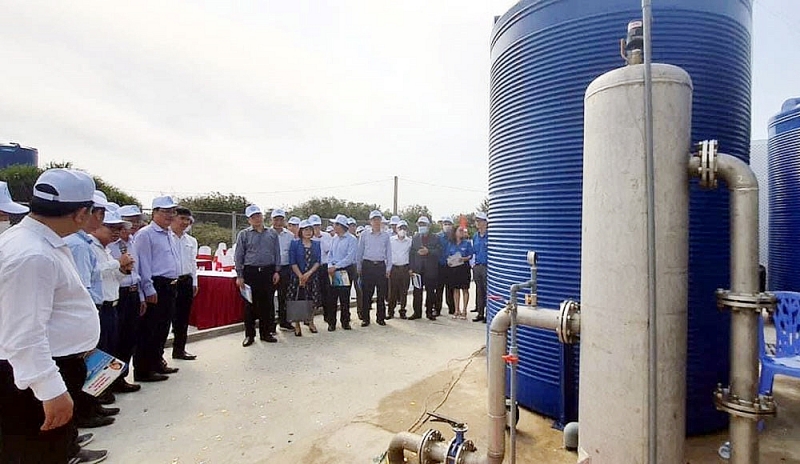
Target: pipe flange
[763,406]
[745,301]
[424,450]
[467,447]
[707,172]
[569,311]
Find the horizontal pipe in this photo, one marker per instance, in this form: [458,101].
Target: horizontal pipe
[401,442]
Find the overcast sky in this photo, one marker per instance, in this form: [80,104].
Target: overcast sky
[283,100]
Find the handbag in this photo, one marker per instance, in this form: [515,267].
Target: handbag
[298,310]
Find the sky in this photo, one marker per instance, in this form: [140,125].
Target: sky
[281,101]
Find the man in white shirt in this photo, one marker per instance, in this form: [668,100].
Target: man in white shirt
[400,277]
[187,282]
[48,322]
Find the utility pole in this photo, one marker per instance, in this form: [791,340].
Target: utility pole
[394,211]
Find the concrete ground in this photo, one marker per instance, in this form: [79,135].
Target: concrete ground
[338,398]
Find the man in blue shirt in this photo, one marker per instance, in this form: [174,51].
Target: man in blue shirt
[374,262]
[480,242]
[341,260]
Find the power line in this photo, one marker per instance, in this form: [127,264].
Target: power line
[463,189]
[311,189]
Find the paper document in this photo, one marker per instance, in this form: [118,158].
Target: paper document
[416,280]
[247,293]
[340,278]
[102,370]
[455,260]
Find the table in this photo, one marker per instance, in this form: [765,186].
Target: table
[218,301]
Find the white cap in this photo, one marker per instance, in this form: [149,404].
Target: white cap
[64,186]
[305,223]
[277,212]
[112,206]
[423,220]
[129,211]
[112,218]
[100,199]
[165,202]
[351,221]
[481,216]
[7,205]
[376,214]
[315,220]
[359,229]
[329,229]
[341,219]
[447,219]
[294,220]
[402,223]
[394,220]
[252,209]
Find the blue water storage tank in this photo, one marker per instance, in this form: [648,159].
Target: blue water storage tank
[13,153]
[783,156]
[544,54]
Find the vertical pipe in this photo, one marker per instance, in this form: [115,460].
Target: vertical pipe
[652,339]
[744,322]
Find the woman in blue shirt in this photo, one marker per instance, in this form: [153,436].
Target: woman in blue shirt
[305,256]
[459,252]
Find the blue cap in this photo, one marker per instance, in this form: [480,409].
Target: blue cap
[64,186]
[252,209]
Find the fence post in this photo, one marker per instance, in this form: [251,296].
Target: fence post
[233,228]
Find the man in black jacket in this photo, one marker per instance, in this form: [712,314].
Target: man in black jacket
[425,252]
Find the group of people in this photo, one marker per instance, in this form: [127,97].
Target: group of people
[81,273]
[299,260]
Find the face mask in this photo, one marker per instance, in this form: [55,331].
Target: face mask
[4,225]
[447,228]
[423,230]
[401,233]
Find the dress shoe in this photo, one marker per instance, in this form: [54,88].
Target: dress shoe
[150,377]
[106,412]
[248,341]
[186,356]
[390,316]
[85,456]
[93,422]
[479,318]
[346,326]
[331,327]
[287,326]
[363,324]
[269,339]
[106,398]
[121,386]
[432,318]
[167,370]
[474,311]
[84,439]
[414,317]
[402,314]
[382,322]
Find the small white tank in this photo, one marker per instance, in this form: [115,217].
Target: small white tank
[614,355]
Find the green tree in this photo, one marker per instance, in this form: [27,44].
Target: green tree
[484,206]
[413,212]
[329,207]
[216,202]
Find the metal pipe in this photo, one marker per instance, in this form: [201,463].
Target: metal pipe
[743,185]
[652,339]
[514,352]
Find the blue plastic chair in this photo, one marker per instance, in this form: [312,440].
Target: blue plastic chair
[786,360]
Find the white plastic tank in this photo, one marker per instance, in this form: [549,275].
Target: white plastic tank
[614,266]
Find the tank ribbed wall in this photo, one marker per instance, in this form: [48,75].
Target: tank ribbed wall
[12,154]
[544,54]
[784,187]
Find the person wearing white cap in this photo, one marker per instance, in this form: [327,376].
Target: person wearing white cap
[400,276]
[304,260]
[480,242]
[444,293]
[426,249]
[374,263]
[48,322]
[157,251]
[7,206]
[257,263]
[341,272]
[352,225]
[325,241]
[293,224]
[186,288]
[132,214]
[393,222]
[285,237]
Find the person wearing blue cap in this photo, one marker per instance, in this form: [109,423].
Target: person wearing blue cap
[426,249]
[480,242]
[285,238]
[304,260]
[257,262]
[159,265]
[48,322]
[374,264]
[341,272]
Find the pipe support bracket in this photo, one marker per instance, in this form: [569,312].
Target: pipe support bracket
[763,406]
[745,301]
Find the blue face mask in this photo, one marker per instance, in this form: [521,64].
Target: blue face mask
[423,230]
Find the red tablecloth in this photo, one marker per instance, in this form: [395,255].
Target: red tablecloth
[218,301]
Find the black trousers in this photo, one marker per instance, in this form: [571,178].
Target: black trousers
[429,285]
[479,276]
[283,292]
[324,284]
[259,278]
[21,416]
[398,288]
[373,276]
[340,296]
[109,327]
[444,293]
[183,307]
[154,327]
[128,312]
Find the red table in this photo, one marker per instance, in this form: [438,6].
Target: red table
[218,301]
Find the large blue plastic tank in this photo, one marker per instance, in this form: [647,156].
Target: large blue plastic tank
[784,187]
[13,153]
[544,54]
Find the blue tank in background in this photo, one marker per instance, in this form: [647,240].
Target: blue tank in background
[14,153]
